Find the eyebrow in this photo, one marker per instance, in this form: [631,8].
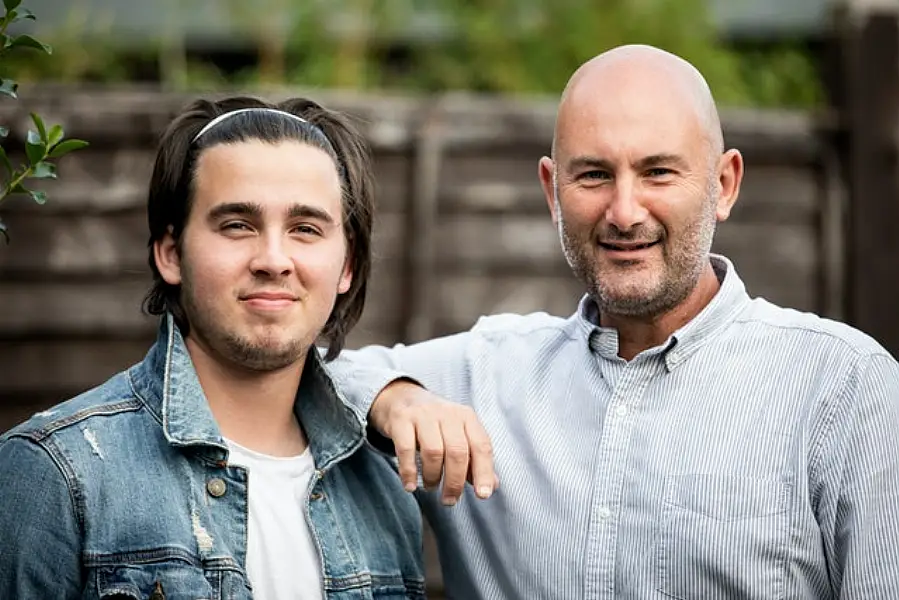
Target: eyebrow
[255,210]
[662,159]
[305,211]
[592,162]
[246,209]
[589,162]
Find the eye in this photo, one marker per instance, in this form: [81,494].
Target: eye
[595,175]
[305,229]
[236,226]
[659,172]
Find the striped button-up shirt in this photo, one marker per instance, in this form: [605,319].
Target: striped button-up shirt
[755,454]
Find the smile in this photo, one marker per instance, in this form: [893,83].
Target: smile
[269,301]
[627,246]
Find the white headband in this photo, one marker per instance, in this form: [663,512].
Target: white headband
[228,115]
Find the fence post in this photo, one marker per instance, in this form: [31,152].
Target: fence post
[421,226]
[868,99]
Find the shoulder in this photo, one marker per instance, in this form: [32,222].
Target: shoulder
[536,324]
[108,399]
[815,335]
[844,362]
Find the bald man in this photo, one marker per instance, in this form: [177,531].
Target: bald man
[674,437]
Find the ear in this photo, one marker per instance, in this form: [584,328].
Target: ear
[346,278]
[730,176]
[545,171]
[168,261]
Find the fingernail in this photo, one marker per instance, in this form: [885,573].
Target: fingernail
[484,491]
[410,487]
[449,501]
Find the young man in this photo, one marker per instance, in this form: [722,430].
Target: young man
[225,464]
[673,438]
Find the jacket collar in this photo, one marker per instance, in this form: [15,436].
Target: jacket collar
[167,383]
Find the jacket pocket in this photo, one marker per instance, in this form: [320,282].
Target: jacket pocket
[723,536]
[158,581]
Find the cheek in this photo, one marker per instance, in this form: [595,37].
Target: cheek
[213,268]
[322,264]
[581,209]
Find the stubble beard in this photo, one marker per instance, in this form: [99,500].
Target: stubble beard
[261,356]
[682,265]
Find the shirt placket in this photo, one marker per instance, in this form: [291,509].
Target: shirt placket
[611,466]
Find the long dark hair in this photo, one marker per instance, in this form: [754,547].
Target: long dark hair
[171,189]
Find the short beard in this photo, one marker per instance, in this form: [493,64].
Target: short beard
[256,357]
[691,257]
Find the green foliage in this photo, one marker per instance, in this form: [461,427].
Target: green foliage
[490,46]
[84,51]
[516,46]
[41,144]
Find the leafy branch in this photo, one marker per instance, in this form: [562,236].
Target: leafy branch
[42,145]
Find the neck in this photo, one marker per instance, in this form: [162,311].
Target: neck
[636,334]
[251,408]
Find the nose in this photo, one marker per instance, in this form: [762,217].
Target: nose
[271,258]
[625,211]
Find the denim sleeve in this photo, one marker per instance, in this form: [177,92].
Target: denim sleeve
[859,468]
[41,548]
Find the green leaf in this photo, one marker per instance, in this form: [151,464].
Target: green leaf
[9,87]
[3,231]
[39,197]
[39,123]
[44,170]
[34,147]
[4,40]
[4,160]
[11,4]
[67,146]
[26,41]
[56,135]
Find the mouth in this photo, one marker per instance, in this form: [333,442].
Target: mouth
[269,296]
[627,246]
[269,300]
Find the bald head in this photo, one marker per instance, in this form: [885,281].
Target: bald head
[647,77]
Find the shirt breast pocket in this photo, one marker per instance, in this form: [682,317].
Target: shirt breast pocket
[724,536]
[171,580]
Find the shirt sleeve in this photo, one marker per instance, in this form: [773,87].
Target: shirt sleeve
[440,365]
[860,470]
[41,555]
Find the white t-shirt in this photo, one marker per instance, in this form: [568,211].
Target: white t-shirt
[282,559]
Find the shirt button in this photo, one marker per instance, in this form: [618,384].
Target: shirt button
[604,513]
[215,487]
[621,410]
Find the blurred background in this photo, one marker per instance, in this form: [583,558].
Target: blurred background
[458,99]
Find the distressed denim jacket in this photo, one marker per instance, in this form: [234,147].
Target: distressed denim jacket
[125,492]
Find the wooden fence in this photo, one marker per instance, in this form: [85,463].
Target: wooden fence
[462,228]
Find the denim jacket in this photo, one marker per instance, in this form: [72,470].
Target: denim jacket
[125,492]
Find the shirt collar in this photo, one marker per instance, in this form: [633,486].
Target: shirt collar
[167,383]
[717,314]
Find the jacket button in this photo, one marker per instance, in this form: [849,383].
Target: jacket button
[216,487]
